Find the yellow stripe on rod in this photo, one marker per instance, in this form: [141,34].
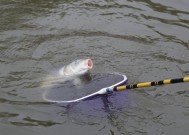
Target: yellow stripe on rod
[145,84]
[186,79]
[168,81]
[121,88]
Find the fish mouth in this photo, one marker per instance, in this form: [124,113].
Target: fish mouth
[89,63]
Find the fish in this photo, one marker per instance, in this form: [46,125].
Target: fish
[77,71]
[77,68]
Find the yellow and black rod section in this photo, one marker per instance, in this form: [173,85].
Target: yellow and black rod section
[149,84]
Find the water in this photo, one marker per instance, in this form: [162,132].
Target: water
[146,40]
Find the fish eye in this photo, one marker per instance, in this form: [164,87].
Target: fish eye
[77,61]
[82,69]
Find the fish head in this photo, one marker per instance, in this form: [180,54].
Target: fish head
[82,66]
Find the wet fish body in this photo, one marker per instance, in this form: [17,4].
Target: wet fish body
[76,68]
[71,72]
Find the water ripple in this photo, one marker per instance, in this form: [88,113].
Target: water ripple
[144,39]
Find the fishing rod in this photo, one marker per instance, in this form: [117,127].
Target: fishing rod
[119,86]
[149,84]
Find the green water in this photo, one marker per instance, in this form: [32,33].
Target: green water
[145,40]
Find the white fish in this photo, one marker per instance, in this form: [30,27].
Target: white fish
[75,71]
[76,68]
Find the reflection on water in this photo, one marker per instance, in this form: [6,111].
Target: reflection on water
[144,39]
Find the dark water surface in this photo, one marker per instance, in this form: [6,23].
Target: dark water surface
[146,40]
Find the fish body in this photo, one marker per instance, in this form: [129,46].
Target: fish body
[75,71]
[77,68]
